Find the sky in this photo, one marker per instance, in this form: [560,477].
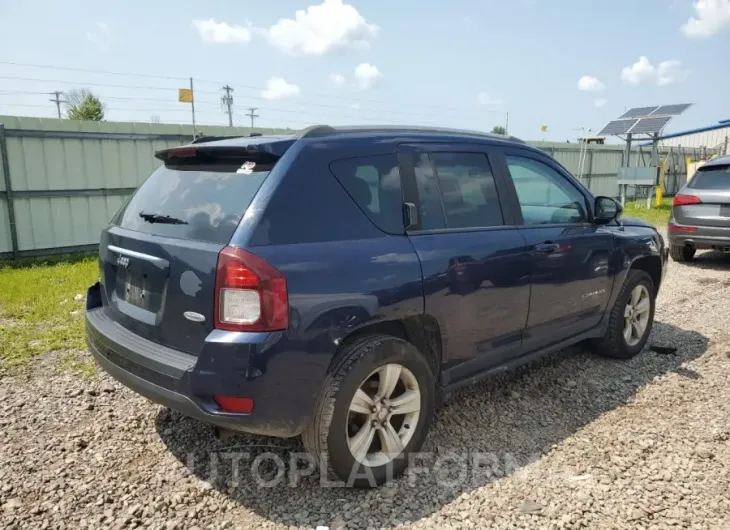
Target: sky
[572,65]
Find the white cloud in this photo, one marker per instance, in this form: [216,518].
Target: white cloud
[642,71]
[212,31]
[355,106]
[590,84]
[600,102]
[278,88]
[670,72]
[320,29]
[486,99]
[711,16]
[367,75]
[337,79]
[101,36]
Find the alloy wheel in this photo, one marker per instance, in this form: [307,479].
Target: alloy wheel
[636,315]
[383,415]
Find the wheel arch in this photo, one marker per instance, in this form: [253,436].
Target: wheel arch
[423,331]
[652,265]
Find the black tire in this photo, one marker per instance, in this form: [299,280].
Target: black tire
[682,252]
[613,344]
[325,437]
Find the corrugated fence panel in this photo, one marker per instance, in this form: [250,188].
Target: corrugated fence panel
[50,222]
[5,242]
[55,163]
[105,160]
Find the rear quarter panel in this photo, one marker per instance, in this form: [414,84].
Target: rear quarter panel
[342,272]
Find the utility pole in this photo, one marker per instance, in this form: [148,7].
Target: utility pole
[506,125]
[57,101]
[251,114]
[192,106]
[227,102]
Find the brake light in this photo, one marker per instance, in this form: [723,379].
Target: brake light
[682,200]
[679,228]
[250,293]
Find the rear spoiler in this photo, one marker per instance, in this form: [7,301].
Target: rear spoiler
[228,148]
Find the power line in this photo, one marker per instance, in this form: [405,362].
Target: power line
[89,71]
[173,101]
[94,84]
[257,88]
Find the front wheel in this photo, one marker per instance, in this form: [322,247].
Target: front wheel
[375,410]
[631,318]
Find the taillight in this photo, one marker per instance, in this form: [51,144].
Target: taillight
[682,200]
[250,294]
[681,228]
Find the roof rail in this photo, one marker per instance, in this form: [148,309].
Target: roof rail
[317,131]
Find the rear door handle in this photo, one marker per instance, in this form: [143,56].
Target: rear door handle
[547,247]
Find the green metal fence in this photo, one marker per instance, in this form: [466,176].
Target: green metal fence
[63,180]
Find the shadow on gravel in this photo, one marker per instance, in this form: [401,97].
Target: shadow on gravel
[711,259]
[484,433]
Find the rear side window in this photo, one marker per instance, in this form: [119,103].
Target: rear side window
[712,178]
[374,184]
[457,190]
[204,203]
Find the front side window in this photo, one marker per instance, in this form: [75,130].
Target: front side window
[457,190]
[545,196]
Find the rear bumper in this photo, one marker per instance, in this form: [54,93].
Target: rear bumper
[704,237]
[187,383]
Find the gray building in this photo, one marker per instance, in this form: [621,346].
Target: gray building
[713,138]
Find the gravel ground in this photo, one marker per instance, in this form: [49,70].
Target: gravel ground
[572,441]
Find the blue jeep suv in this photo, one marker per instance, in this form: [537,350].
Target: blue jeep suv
[340,283]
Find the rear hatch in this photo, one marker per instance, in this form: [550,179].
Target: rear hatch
[705,201]
[158,256]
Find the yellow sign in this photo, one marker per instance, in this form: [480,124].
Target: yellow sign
[185,95]
[543,128]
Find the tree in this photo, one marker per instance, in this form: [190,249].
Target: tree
[82,104]
[498,129]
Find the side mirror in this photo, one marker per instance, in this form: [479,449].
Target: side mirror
[606,210]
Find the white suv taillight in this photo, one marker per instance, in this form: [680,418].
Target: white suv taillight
[250,294]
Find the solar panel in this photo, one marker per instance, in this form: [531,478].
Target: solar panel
[638,112]
[618,127]
[650,125]
[671,110]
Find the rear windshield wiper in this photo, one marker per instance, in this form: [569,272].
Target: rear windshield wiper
[163,219]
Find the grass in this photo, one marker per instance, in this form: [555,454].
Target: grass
[38,312]
[657,215]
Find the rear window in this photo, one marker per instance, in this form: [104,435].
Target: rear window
[374,183]
[712,178]
[204,203]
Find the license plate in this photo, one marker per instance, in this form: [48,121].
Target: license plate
[135,294]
